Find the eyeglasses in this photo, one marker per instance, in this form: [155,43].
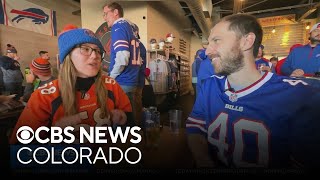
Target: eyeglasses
[87,51]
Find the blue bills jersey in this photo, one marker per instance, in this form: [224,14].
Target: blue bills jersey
[123,39]
[266,62]
[267,124]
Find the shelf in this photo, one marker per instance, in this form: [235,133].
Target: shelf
[184,70]
[174,52]
[156,50]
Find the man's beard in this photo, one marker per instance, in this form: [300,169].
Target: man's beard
[232,62]
[314,40]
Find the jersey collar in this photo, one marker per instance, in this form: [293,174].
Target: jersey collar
[247,90]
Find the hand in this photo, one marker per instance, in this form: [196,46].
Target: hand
[5,99]
[265,68]
[297,73]
[118,117]
[68,121]
[30,77]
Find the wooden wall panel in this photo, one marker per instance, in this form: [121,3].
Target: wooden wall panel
[279,43]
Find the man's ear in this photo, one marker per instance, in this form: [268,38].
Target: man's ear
[248,41]
[116,12]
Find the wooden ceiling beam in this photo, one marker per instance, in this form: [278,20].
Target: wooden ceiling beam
[308,12]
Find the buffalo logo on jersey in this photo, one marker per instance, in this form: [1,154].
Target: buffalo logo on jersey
[37,15]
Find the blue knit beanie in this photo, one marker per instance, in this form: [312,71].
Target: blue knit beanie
[72,36]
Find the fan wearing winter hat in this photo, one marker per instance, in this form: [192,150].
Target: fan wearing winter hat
[12,52]
[81,96]
[304,60]
[40,74]
[11,76]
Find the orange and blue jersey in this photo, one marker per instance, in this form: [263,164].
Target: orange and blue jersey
[44,108]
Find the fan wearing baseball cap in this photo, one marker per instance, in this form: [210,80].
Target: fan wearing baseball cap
[305,60]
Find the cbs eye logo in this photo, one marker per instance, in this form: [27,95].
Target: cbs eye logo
[25,134]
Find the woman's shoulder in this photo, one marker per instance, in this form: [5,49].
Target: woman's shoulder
[108,80]
[110,83]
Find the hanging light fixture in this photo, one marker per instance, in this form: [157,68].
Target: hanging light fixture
[274,27]
[308,26]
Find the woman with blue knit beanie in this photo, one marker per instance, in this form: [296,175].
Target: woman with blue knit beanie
[81,96]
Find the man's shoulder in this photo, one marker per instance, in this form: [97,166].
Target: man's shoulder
[5,59]
[205,63]
[305,48]
[213,79]
[122,23]
[265,60]
[298,87]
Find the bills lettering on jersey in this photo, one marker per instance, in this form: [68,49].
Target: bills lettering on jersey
[235,108]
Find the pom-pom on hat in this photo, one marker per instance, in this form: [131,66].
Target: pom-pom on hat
[11,49]
[40,67]
[170,35]
[72,36]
